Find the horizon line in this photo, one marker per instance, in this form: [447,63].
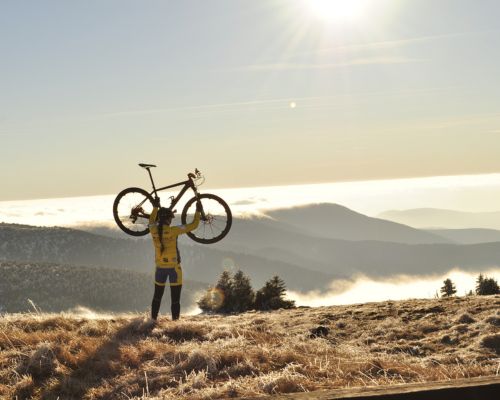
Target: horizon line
[338,182]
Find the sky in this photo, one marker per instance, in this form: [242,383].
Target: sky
[253,93]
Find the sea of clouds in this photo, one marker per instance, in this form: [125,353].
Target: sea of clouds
[476,193]
[361,289]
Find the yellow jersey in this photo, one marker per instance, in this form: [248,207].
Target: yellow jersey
[170,256]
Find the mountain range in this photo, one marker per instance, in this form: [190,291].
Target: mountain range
[306,246]
[441,218]
[334,221]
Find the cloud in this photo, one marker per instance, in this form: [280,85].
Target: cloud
[388,44]
[472,119]
[282,102]
[362,289]
[243,202]
[288,66]
[356,48]
[248,201]
[43,213]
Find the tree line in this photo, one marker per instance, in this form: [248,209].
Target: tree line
[234,293]
[484,286]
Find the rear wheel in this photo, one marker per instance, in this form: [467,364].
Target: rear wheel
[131,210]
[215,222]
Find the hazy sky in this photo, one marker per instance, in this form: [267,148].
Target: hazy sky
[252,92]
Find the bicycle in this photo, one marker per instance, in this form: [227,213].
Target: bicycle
[133,206]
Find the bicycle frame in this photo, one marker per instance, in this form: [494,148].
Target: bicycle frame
[187,185]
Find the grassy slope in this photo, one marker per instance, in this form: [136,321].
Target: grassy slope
[204,357]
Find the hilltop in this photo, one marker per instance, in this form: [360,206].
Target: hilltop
[334,221]
[201,357]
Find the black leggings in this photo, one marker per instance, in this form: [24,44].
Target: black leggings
[175,296]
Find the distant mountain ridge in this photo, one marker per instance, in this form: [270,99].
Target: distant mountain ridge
[469,236]
[334,221]
[441,218]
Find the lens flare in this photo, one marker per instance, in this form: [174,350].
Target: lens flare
[215,298]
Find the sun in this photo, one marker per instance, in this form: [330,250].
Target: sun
[336,10]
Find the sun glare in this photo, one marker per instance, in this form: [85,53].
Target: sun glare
[336,10]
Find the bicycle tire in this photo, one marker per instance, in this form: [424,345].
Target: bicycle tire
[227,219]
[123,221]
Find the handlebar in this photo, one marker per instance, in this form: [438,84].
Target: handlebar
[197,174]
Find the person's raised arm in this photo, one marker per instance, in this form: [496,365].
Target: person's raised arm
[193,225]
[154,213]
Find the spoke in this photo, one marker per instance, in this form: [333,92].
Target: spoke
[213,223]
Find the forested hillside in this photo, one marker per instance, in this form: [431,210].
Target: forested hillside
[53,287]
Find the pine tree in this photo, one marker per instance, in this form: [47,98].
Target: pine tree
[271,295]
[218,298]
[479,283]
[487,286]
[448,288]
[242,293]
[225,286]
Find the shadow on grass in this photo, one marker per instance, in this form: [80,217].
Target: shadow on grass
[103,363]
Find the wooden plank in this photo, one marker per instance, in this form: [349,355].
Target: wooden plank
[482,388]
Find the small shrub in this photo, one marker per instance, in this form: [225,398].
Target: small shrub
[24,387]
[199,361]
[429,328]
[448,340]
[492,342]
[185,332]
[466,319]
[93,328]
[240,369]
[493,320]
[286,381]
[42,362]
[320,331]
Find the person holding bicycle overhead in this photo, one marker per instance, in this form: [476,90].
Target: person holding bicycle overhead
[167,256]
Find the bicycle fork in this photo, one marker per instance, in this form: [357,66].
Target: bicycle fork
[202,212]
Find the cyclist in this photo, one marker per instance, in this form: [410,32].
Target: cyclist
[167,256]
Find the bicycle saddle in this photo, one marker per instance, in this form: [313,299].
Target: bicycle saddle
[147,166]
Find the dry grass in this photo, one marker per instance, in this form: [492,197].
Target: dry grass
[214,357]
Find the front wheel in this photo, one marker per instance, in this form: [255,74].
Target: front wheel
[131,209]
[215,222]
